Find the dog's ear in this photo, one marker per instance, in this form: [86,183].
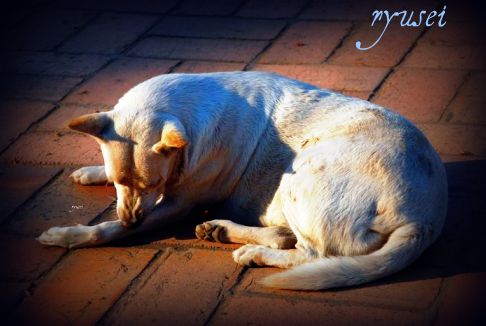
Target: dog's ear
[173,137]
[92,124]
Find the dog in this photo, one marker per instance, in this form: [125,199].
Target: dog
[338,190]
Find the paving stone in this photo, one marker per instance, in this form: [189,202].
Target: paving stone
[386,53]
[207,7]
[218,27]
[60,118]
[51,63]
[259,310]
[148,6]
[62,203]
[46,29]
[455,34]
[11,293]
[110,33]
[199,49]
[108,85]
[426,55]
[468,106]
[83,286]
[183,287]
[364,95]
[208,66]
[334,77]
[414,289]
[421,95]
[462,300]
[20,114]
[456,139]
[19,182]
[306,42]
[24,259]
[338,10]
[271,8]
[54,148]
[50,88]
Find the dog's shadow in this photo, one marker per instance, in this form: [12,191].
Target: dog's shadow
[459,249]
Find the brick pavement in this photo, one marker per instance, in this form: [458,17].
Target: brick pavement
[61,59]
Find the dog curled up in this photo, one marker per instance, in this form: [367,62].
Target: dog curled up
[338,190]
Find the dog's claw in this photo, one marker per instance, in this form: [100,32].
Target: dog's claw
[209,232]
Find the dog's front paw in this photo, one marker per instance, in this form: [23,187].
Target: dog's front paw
[249,255]
[211,232]
[67,237]
[89,175]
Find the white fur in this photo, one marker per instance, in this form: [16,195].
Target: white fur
[358,188]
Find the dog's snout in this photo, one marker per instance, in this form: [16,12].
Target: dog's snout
[130,216]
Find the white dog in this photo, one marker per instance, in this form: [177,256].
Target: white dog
[338,188]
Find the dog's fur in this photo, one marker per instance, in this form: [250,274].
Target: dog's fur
[338,188]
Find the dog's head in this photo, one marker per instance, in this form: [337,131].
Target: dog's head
[140,153]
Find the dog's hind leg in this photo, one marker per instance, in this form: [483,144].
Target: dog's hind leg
[249,255]
[90,175]
[229,232]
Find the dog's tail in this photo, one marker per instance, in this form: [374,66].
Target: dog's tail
[404,245]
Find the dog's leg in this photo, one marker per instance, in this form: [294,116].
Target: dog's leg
[84,235]
[249,255]
[230,232]
[90,175]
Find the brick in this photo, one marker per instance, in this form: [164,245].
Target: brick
[182,287]
[62,203]
[390,49]
[334,77]
[50,63]
[427,55]
[364,95]
[412,289]
[218,27]
[208,66]
[469,103]
[24,259]
[259,310]
[11,293]
[59,119]
[462,300]
[54,148]
[455,34]
[338,10]
[50,88]
[46,29]
[207,7]
[419,94]
[20,114]
[83,286]
[306,42]
[199,49]
[456,139]
[271,8]
[19,183]
[110,33]
[456,45]
[147,6]
[107,86]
